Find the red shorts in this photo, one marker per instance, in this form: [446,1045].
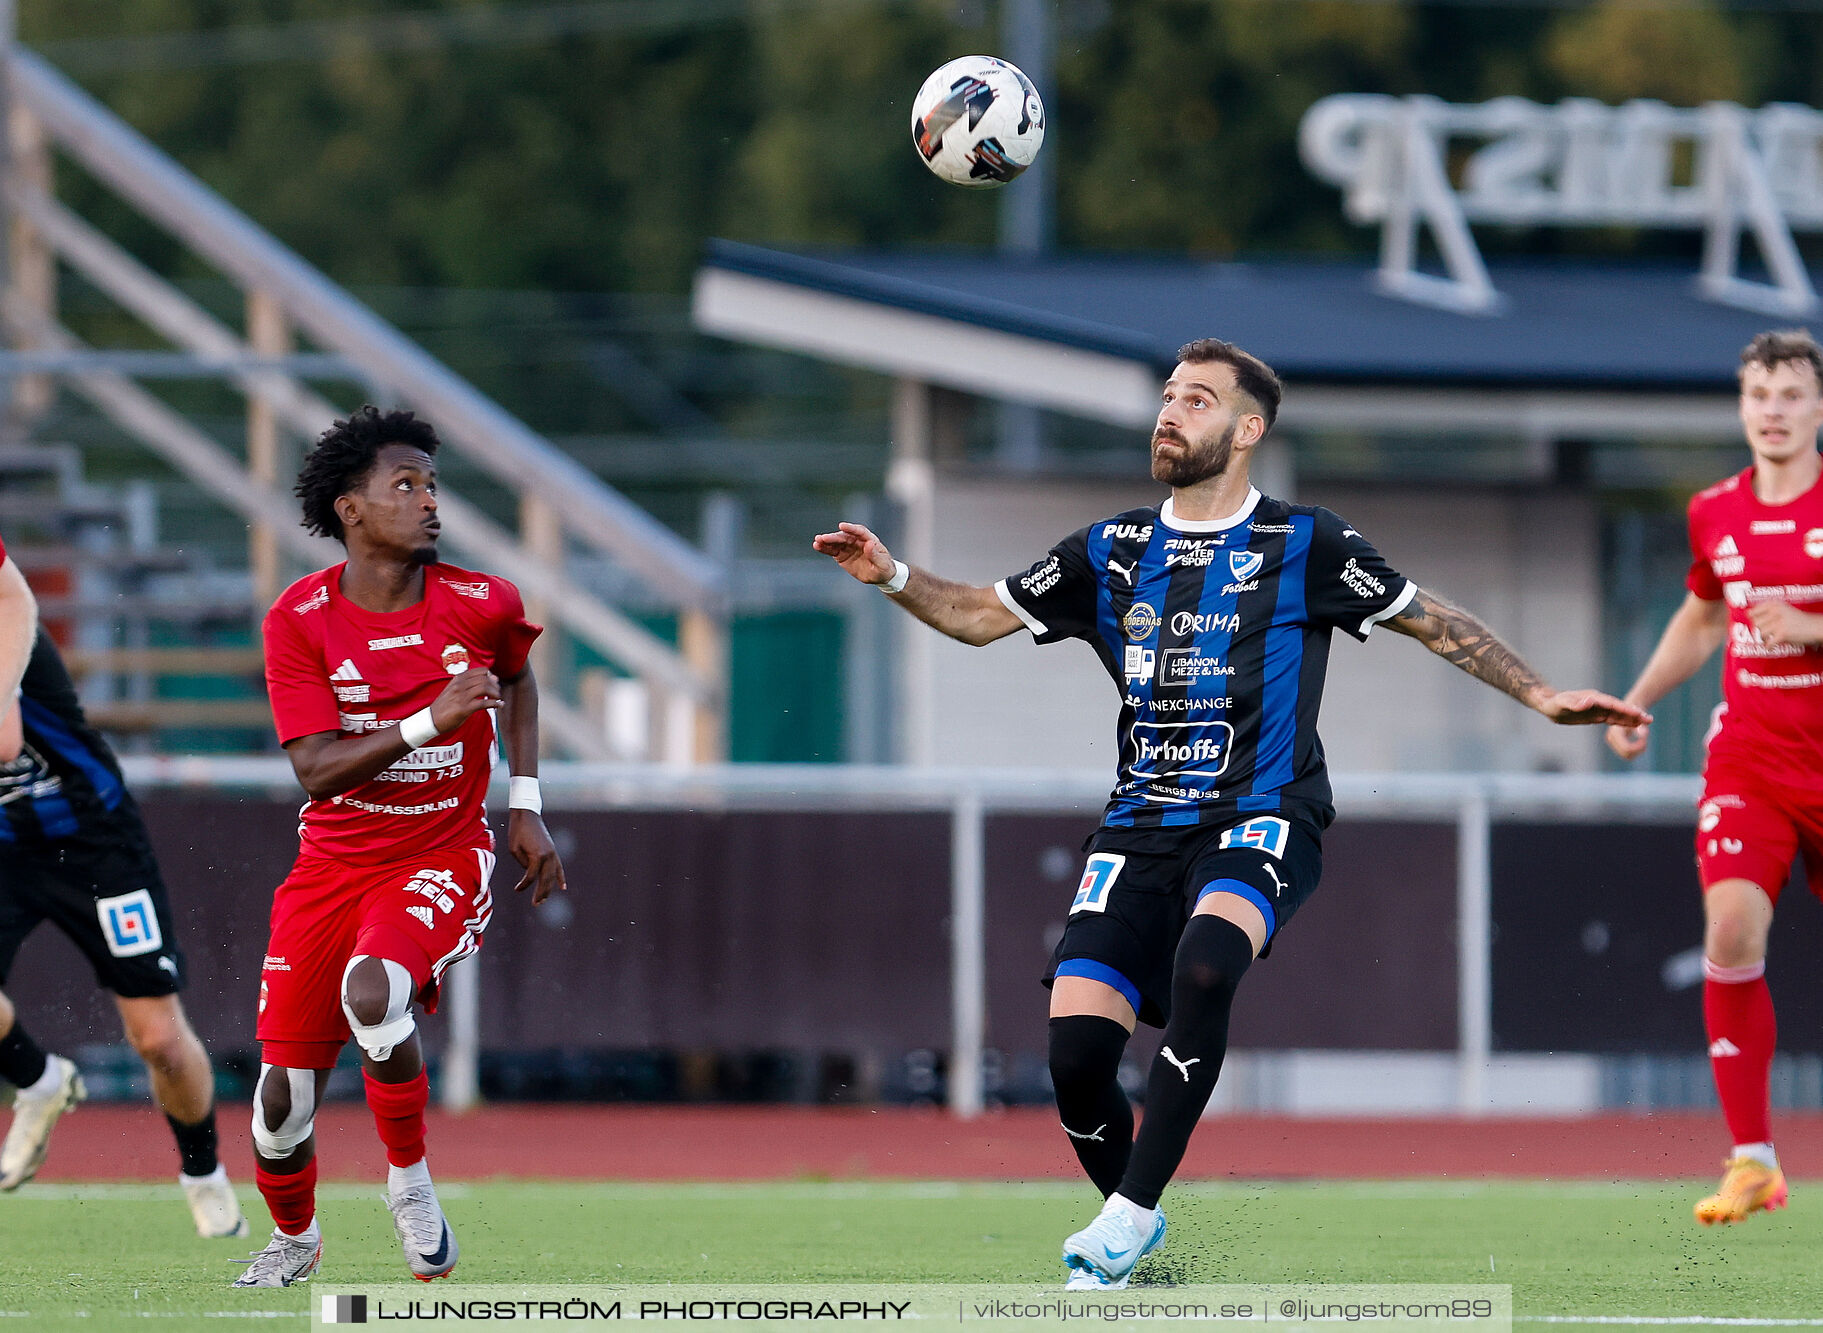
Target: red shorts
[1750,830]
[424,913]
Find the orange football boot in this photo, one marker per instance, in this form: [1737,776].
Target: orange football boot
[1747,1187]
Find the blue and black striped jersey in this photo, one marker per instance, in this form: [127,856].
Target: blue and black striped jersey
[1217,633]
[66,781]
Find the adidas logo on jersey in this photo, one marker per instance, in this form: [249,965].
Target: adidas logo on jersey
[347,671]
[424,915]
[1727,547]
[1722,1046]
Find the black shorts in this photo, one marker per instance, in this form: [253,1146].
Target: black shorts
[106,895]
[1141,885]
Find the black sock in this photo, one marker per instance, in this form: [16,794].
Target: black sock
[1085,1069]
[195,1143]
[21,1058]
[1210,960]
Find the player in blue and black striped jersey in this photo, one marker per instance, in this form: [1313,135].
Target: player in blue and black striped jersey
[74,852]
[1212,614]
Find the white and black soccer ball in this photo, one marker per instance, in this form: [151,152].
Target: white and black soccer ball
[978,121]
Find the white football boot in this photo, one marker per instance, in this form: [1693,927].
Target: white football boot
[213,1205]
[285,1260]
[424,1232]
[1110,1247]
[34,1116]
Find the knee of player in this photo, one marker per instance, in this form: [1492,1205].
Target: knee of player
[161,1045]
[1085,1050]
[1212,957]
[1732,942]
[376,997]
[284,1110]
[1734,938]
[159,1031]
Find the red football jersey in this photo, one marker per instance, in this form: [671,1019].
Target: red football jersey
[332,666]
[1744,552]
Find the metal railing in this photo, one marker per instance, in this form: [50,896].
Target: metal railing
[1468,801]
[559,501]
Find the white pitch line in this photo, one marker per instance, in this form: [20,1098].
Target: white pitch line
[1652,1321]
[149,1193]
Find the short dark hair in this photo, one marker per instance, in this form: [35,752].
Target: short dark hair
[1775,346]
[344,456]
[1251,375]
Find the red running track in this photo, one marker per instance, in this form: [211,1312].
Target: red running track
[621,1142]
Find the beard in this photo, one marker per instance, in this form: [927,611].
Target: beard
[425,555]
[1198,462]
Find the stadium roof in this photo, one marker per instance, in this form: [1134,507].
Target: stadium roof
[1580,349]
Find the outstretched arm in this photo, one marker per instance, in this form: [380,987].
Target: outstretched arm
[526,836]
[1696,629]
[962,611]
[1458,637]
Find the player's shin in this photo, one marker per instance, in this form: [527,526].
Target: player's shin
[398,1115]
[1738,1014]
[1085,1070]
[22,1060]
[285,1167]
[1211,958]
[196,1144]
[377,995]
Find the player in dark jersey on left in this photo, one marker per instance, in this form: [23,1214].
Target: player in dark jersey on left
[1212,614]
[385,673]
[74,852]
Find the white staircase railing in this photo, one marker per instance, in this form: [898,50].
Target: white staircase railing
[558,500]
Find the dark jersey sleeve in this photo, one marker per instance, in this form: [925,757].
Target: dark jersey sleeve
[1055,597]
[1347,583]
[47,683]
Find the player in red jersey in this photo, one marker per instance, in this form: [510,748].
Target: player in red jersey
[1756,584]
[385,674]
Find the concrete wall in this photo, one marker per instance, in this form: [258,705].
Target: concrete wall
[1526,561]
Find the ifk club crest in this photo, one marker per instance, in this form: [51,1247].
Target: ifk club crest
[1245,564]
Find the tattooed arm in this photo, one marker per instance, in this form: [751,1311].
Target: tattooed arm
[1458,637]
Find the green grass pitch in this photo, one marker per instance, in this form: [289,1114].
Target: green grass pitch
[98,1257]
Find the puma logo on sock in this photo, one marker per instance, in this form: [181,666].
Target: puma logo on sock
[1183,1066]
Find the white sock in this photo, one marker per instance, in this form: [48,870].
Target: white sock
[1759,1152]
[48,1082]
[401,1178]
[220,1174]
[1141,1216]
[308,1233]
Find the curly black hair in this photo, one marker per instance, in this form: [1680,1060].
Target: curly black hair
[344,457]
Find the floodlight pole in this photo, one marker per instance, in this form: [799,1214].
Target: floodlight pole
[1025,206]
[9,37]
[1026,212]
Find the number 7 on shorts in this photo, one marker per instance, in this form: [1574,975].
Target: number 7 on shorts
[1098,877]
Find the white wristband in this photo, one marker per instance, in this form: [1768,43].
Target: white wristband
[418,730]
[901,572]
[523,794]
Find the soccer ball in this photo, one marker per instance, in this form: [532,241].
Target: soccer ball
[978,122]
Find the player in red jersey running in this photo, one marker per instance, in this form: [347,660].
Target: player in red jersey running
[385,674]
[1756,584]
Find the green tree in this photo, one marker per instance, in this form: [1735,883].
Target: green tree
[1616,50]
